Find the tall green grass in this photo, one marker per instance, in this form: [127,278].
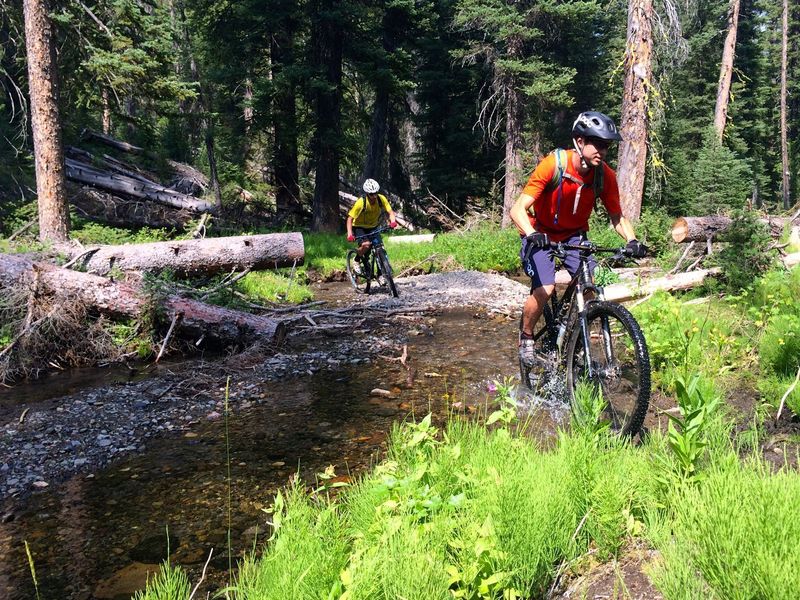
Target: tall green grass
[487,248]
[482,512]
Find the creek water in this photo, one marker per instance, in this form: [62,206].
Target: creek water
[99,536]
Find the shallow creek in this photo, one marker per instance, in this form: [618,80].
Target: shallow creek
[98,536]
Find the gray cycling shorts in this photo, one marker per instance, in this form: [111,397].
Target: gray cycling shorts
[539,264]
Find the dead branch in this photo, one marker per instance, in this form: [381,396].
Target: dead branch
[681,259]
[787,394]
[175,318]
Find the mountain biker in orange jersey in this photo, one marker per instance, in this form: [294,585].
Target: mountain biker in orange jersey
[365,215]
[555,206]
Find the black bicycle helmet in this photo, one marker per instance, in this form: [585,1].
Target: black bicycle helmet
[595,125]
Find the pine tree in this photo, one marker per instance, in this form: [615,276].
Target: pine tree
[517,42]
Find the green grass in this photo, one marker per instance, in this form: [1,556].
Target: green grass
[275,287]
[485,249]
[170,583]
[482,512]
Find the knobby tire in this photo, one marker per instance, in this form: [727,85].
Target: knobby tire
[386,271]
[625,382]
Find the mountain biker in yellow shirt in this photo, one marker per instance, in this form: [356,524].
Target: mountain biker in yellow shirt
[365,215]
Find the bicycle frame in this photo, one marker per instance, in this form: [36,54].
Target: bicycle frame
[574,299]
[377,244]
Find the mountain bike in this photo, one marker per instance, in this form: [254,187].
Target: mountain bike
[373,266]
[593,340]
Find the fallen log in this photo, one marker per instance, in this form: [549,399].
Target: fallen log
[410,239]
[671,283]
[193,319]
[134,187]
[699,229]
[208,255]
[91,134]
[120,211]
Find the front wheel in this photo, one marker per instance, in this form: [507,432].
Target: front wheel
[617,367]
[386,272]
[359,279]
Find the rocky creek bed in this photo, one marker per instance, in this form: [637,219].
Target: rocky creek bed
[44,442]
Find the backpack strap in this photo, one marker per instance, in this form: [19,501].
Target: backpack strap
[557,181]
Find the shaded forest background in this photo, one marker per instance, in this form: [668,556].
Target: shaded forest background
[289,100]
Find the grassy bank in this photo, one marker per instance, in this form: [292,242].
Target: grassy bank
[475,511]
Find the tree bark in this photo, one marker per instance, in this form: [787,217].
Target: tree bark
[208,256]
[634,123]
[784,126]
[45,122]
[513,135]
[726,70]
[194,319]
[376,144]
[328,37]
[699,229]
[284,124]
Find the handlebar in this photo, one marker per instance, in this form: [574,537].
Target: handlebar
[374,232]
[620,256]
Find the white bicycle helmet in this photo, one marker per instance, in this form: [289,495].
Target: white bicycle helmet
[371,186]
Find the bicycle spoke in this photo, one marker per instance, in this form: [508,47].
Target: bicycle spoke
[617,364]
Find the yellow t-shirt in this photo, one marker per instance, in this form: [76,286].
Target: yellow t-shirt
[367,214]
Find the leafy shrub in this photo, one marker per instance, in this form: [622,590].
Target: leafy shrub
[686,436]
[744,258]
[90,233]
[684,339]
[779,350]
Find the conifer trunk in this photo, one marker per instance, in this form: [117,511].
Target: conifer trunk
[634,123]
[373,164]
[45,122]
[726,70]
[284,126]
[784,126]
[513,135]
[328,37]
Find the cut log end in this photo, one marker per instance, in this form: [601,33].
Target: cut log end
[680,229]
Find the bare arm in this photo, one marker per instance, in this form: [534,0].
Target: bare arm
[349,226]
[519,213]
[623,227]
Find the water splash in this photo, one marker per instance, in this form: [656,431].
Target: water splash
[550,394]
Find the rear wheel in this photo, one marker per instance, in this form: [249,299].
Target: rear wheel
[386,272]
[357,273]
[544,334]
[620,367]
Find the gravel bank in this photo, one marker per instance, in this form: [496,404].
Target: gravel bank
[87,430]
